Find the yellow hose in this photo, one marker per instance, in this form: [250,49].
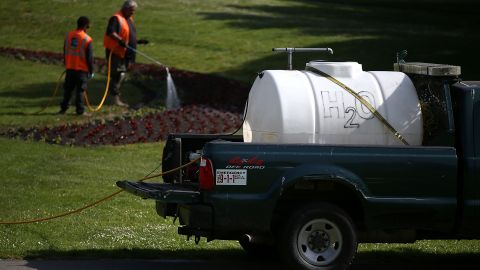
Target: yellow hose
[54,93]
[97,202]
[84,93]
[90,108]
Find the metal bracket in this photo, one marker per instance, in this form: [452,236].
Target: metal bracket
[448,101]
[401,56]
[290,52]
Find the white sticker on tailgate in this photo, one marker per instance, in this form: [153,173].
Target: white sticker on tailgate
[231,177]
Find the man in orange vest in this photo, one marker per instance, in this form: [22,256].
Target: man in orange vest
[78,60]
[121,35]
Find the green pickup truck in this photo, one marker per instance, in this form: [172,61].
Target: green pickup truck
[314,203]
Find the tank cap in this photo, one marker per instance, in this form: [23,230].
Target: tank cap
[337,69]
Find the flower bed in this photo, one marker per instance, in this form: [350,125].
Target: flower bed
[148,128]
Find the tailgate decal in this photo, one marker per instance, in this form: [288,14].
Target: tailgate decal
[230,177]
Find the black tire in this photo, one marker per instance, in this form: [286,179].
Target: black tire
[318,236]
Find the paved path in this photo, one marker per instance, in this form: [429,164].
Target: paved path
[116,264]
[159,264]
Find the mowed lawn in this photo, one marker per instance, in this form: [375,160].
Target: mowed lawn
[235,38]
[227,38]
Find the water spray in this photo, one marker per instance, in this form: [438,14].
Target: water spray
[173,102]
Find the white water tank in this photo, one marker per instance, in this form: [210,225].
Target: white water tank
[293,106]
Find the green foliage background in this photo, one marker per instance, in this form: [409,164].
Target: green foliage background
[234,38]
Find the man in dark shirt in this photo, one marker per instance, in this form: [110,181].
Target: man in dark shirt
[120,37]
[78,60]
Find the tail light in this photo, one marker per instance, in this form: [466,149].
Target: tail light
[207,180]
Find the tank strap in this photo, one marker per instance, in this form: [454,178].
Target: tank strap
[363,101]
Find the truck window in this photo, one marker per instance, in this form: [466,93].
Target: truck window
[431,93]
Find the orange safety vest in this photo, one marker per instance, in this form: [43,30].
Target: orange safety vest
[111,43]
[76,43]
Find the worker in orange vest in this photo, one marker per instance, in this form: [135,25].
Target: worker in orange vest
[120,37]
[78,60]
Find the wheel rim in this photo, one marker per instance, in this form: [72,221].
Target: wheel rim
[319,242]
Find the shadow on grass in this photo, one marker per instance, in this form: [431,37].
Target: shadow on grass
[25,97]
[399,258]
[369,32]
[412,258]
[32,91]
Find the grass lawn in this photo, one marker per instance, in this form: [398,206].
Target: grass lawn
[228,38]
[42,180]
[234,38]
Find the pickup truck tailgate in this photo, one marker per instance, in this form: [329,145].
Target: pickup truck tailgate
[163,192]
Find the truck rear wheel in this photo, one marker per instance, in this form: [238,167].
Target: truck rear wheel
[319,236]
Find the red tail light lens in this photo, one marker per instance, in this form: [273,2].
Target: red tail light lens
[207,181]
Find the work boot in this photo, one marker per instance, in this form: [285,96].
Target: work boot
[62,111]
[86,114]
[118,102]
